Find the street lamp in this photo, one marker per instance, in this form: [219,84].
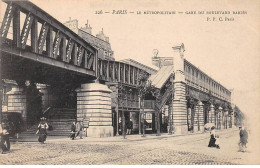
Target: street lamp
[144,118]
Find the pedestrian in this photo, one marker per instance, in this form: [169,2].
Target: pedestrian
[120,126]
[129,127]
[79,129]
[243,139]
[4,143]
[212,140]
[42,130]
[73,130]
[217,142]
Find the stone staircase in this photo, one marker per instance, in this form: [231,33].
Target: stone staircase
[60,119]
[61,127]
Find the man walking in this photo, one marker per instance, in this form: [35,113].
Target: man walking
[129,127]
[73,130]
[79,129]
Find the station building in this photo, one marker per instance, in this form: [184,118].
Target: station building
[176,97]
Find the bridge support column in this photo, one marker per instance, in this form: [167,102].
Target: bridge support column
[189,118]
[94,105]
[179,106]
[220,118]
[170,120]
[17,102]
[199,118]
[212,114]
[179,103]
[226,119]
[232,118]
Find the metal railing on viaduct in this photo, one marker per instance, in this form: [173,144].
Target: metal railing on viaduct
[52,43]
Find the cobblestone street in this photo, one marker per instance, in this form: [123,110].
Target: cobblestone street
[135,150]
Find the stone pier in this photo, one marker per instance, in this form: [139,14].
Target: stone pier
[220,117]
[199,118]
[212,114]
[179,103]
[17,102]
[94,106]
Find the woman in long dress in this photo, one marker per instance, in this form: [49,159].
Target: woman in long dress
[212,137]
[42,130]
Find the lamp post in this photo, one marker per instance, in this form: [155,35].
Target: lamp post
[144,118]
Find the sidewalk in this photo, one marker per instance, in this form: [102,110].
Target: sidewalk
[134,137]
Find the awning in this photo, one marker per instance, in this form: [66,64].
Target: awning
[160,78]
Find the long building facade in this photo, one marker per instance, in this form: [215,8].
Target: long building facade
[197,99]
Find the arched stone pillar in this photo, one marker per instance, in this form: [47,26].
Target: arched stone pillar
[94,105]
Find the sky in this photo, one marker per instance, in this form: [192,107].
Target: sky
[228,51]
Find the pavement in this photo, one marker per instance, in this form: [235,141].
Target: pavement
[134,150]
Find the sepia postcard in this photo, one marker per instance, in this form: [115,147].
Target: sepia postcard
[131,82]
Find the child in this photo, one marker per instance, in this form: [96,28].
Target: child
[217,142]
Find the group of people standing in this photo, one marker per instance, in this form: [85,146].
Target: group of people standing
[128,126]
[76,130]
